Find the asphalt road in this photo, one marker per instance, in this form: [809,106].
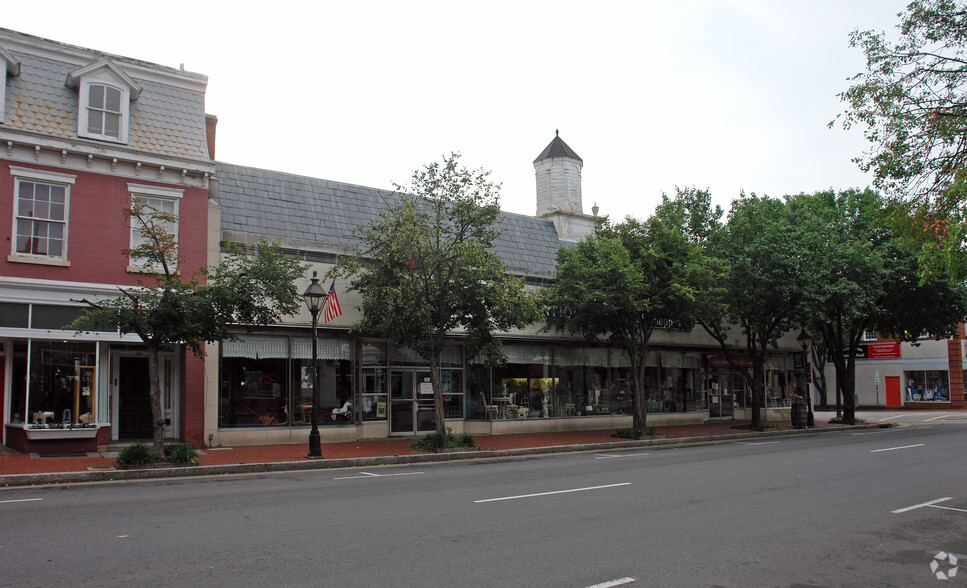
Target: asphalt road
[861,508]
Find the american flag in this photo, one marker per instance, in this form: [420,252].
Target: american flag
[332,309]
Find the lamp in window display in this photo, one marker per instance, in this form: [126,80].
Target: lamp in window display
[315,299]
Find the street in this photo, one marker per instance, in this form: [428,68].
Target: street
[853,508]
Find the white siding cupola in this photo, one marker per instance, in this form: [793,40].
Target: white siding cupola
[558,174]
[557,171]
[9,66]
[104,94]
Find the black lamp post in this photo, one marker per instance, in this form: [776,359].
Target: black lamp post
[315,297]
[804,339]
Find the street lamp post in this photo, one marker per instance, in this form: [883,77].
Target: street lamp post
[315,297]
[804,339]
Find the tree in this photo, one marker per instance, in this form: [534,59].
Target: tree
[255,289]
[625,279]
[759,295]
[861,273]
[912,100]
[426,268]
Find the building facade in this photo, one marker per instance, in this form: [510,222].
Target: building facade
[82,135]
[927,374]
[260,390]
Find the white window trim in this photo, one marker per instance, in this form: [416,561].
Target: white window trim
[47,177]
[866,335]
[145,190]
[9,65]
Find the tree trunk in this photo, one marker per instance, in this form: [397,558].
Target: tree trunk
[157,412]
[758,393]
[436,382]
[639,402]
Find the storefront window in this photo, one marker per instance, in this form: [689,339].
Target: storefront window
[62,387]
[373,394]
[929,385]
[18,386]
[267,381]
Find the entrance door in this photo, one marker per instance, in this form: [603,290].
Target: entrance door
[893,391]
[411,403]
[134,401]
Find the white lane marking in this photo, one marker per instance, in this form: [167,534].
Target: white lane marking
[896,448]
[122,536]
[758,442]
[552,492]
[21,500]
[610,583]
[921,505]
[885,419]
[943,416]
[610,456]
[371,475]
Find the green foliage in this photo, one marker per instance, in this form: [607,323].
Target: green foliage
[136,454]
[861,272]
[426,268]
[912,100]
[758,299]
[444,440]
[626,279]
[181,453]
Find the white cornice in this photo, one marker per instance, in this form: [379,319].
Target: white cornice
[53,291]
[90,156]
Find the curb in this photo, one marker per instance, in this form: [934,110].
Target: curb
[17,480]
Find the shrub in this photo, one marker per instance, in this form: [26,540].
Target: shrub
[438,440]
[181,453]
[635,433]
[136,454]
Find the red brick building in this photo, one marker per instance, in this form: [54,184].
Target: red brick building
[82,134]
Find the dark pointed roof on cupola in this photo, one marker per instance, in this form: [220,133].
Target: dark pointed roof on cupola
[558,148]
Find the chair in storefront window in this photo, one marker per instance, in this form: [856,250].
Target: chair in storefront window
[491,411]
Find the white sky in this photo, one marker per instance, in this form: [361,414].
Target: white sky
[719,94]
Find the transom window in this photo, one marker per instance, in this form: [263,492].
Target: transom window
[41,209]
[104,110]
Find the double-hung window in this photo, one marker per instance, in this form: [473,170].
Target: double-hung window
[104,110]
[40,214]
[155,229]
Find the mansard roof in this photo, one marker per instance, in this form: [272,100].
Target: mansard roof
[557,148]
[326,216]
[168,118]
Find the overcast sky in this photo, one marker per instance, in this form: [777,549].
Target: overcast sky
[727,95]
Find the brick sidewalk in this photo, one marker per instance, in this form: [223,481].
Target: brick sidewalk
[12,463]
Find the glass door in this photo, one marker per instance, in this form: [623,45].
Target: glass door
[425,410]
[411,403]
[401,402]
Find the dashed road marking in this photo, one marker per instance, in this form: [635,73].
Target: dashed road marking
[929,503]
[897,448]
[371,475]
[610,583]
[614,456]
[21,500]
[552,492]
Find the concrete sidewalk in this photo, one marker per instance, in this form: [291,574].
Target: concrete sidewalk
[17,469]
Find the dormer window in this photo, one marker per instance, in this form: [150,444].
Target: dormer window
[105,93]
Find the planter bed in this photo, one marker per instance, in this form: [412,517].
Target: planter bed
[43,441]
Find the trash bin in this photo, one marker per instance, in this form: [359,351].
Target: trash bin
[799,413]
